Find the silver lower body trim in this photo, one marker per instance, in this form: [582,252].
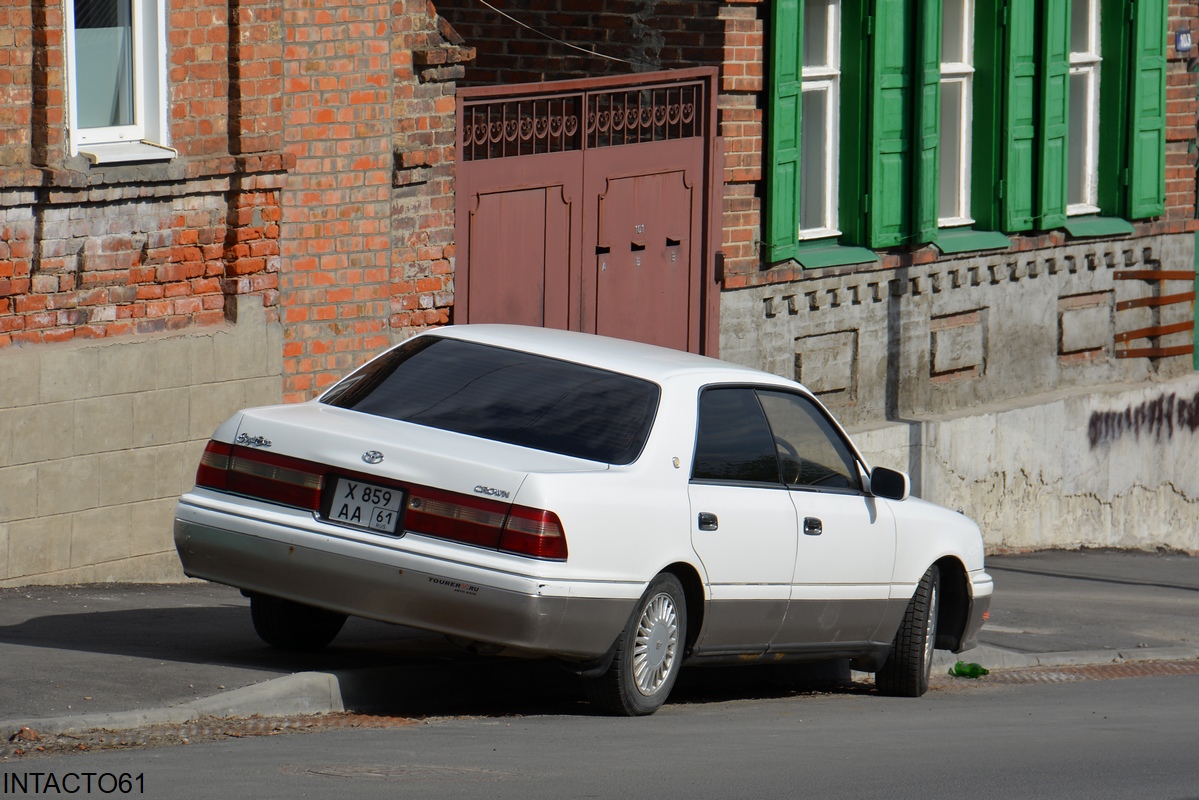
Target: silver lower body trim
[397,587]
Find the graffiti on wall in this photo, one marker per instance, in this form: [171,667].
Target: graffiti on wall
[1158,418]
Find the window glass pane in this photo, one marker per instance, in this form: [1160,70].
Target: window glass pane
[814,161]
[949,200]
[815,33]
[953,30]
[507,396]
[811,451]
[1080,26]
[734,441]
[104,62]
[1080,129]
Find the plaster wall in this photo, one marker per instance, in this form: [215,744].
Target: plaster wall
[1112,466]
[98,440]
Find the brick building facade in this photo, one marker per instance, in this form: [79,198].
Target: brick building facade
[285,208]
[300,221]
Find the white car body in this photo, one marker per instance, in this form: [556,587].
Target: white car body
[757,586]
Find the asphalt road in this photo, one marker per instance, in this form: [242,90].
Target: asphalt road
[1128,738]
[95,650]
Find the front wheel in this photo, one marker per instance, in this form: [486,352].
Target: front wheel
[293,626]
[648,654]
[907,669]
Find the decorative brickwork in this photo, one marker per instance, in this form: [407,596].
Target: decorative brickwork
[256,76]
[430,59]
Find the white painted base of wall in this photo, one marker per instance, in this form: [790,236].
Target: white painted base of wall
[98,439]
[1114,466]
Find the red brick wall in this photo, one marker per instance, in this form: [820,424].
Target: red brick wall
[1182,115]
[16,85]
[367,229]
[315,169]
[430,57]
[638,35]
[133,263]
[256,76]
[93,251]
[742,103]
[198,69]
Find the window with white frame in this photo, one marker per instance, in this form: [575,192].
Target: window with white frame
[819,119]
[1082,196]
[957,83]
[116,79]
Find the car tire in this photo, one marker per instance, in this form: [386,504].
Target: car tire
[908,667]
[648,654]
[293,626]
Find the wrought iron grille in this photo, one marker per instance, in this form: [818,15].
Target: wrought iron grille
[581,120]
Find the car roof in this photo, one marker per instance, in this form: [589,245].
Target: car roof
[647,361]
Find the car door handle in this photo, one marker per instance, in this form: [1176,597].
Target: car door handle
[812,526]
[708,522]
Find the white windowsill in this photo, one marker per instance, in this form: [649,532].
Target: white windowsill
[118,152]
[818,233]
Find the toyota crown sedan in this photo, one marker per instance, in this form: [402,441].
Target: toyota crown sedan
[622,508]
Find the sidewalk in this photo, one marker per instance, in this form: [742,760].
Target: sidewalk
[75,658]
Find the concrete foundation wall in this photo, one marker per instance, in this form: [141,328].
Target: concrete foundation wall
[98,440]
[995,381]
[963,331]
[1114,466]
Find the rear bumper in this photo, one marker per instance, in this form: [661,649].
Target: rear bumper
[474,603]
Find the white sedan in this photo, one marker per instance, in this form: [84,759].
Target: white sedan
[623,508]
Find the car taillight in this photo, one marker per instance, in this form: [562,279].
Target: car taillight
[267,476]
[533,532]
[458,517]
[214,466]
[486,523]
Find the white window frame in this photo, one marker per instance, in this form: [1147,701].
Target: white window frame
[961,72]
[146,139]
[826,79]
[1086,63]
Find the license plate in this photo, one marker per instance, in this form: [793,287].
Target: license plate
[364,505]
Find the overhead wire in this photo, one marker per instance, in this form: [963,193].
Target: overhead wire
[563,42]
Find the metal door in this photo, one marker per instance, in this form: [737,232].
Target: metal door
[589,206]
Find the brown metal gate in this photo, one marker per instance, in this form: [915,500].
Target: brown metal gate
[592,206]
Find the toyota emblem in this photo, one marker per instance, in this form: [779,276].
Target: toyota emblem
[372,456]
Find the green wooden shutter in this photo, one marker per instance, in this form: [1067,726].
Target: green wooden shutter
[855,138]
[1147,106]
[1055,114]
[891,123]
[781,233]
[928,120]
[1019,116]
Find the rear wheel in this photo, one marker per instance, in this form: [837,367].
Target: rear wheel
[293,626]
[648,655]
[907,669]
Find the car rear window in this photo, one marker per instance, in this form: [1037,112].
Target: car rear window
[507,396]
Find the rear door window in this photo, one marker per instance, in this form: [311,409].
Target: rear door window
[733,443]
[507,396]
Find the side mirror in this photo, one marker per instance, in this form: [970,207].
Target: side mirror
[889,484]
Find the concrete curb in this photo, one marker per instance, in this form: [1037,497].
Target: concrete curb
[995,658]
[301,693]
[334,692]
